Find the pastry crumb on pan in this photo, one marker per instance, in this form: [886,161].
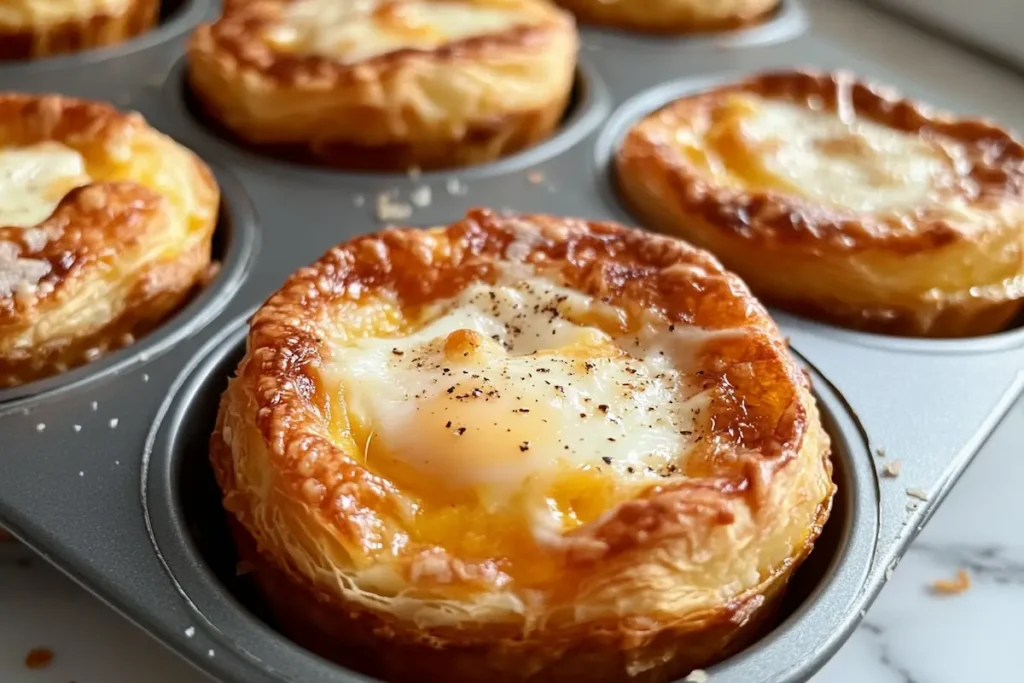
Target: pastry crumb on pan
[386,84]
[39,658]
[840,200]
[105,230]
[672,16]
[43,28]
[956,586]
[520,447]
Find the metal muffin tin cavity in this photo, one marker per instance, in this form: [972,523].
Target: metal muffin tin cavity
[104,470]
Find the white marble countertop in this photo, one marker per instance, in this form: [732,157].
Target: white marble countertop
[910,635]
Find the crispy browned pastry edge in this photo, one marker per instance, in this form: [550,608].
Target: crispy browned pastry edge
[90,232]
[669,16]
[77,33]
[790,235]
[365,115]
[625,267]
[389,649]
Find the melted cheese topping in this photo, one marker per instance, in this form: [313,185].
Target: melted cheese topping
[521,405]
[838,160]
[33,180]
[356,30]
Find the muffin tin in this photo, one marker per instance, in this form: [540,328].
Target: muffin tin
[104,471]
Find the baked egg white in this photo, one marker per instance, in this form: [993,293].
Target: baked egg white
[527,405]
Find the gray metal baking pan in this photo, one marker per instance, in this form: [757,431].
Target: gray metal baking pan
[104,472]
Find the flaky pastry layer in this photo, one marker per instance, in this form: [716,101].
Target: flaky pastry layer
[671,16]
[464,102]
[117,255]
[42,28]
[949,263]
[678,576]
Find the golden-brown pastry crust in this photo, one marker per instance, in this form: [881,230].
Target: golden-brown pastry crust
[43,28]
[312,518]
[671,16]
[117,255]
[466,102]
[951,265]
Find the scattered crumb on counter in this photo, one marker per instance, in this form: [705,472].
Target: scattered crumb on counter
[190,631]
[145,377]
[892,469]
[81,473]
[209,653]
[917,493]
[41,426]
[113,422]
[880,452]
[77,428]
[421,196]
[535,177]
[95,405]
[39,658]
[956,586]
[697,676]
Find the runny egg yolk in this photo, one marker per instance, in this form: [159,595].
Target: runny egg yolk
[493,420]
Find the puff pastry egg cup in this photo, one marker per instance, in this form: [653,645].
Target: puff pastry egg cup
[105,229]
[386,84]
[41,28]
[840,200]
[520,448]
[671,16]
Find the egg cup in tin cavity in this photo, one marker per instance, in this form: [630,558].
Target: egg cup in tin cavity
[229,244]
[170,447]
[77,33]
[389,85]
